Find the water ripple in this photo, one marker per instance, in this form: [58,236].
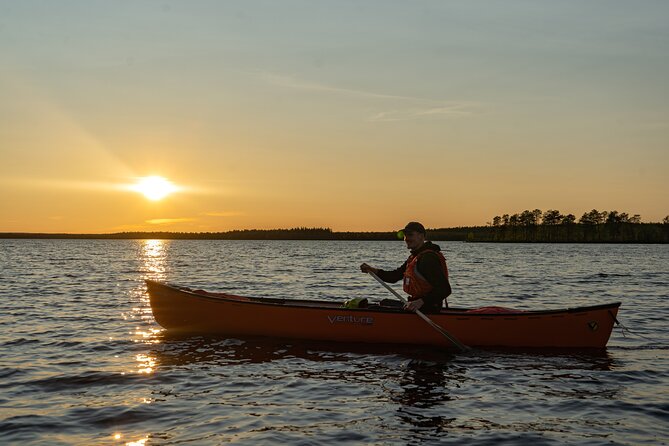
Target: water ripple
[83,361]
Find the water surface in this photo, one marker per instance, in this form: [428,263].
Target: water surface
[83,361]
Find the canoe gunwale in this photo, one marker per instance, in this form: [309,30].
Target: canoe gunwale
[319,305]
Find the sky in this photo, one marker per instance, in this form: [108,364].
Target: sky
[352,115]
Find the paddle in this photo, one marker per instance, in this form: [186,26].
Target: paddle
[462,347]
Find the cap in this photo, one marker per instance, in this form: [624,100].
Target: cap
[414,226]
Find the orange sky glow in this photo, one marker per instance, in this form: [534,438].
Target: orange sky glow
[357,117]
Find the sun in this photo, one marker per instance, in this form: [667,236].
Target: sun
[154,187]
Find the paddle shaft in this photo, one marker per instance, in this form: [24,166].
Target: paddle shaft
[462,347]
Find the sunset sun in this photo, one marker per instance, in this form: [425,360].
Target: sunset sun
[154,187]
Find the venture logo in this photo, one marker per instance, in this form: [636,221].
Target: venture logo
[364,320]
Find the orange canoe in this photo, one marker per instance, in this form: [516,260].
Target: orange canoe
[182,310]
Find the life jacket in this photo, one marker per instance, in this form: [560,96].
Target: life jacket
[415,285]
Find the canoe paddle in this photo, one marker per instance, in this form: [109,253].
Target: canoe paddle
[462,347]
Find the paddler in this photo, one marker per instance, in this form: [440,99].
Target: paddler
[424,274]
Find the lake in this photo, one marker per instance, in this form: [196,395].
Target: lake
[84,362]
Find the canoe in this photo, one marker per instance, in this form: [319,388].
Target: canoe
[183,310]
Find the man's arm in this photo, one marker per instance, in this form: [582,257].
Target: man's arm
[387,276]
[392,276]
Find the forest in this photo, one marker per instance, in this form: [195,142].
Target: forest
[528,226]
[552,226]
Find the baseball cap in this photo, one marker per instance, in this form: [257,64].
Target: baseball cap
[412,226]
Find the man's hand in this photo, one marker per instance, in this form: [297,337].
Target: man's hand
[414,305]
[365,268]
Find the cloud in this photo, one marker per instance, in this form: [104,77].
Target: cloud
[290,82]
[223,214]
[422,108]
[449,112]
[163,221]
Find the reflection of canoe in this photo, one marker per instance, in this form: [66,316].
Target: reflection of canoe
[181,310]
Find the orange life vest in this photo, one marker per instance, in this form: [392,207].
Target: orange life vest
[415,284]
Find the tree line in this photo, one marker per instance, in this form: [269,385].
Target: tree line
[299,233]
[555,217]
[554,226]
[528,226]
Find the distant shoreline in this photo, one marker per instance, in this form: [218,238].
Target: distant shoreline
[573,233]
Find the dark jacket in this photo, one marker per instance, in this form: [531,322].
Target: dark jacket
[429,267]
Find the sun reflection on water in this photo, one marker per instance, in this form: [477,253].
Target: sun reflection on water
[147,336]
[152,264]
[140,442]
[153,255]
[146,364]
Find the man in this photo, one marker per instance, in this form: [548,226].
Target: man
[425,272]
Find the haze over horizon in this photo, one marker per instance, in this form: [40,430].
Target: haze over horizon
[358,116]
